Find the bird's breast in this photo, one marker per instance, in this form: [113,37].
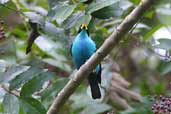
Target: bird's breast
[81,51]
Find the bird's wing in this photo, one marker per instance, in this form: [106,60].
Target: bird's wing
[99,73]
[71,49]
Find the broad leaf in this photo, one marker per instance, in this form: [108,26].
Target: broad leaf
[110,11]
[35,17]
[54,32]
[3,1]
[144,107]
[53,89]
[61,13]
[83,19]
[164,44]
[72,20]
[3,66]
[96,109]
[24,77]
[57,63]
[12,72]
[8,51]
[35,84]
[32,106]
[99,5]
[164,15]
[164,68]
[152,31]
[10,104]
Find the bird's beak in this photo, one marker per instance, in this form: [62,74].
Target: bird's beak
[84,26]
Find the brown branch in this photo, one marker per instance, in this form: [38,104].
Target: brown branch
[107,46]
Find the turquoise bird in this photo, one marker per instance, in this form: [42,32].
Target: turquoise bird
[82,49]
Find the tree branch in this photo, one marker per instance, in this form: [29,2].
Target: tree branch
[107,46]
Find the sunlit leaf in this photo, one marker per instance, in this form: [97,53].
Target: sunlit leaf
[53,89]
[34,17]
[24,77]
[11,72]
[135,1]
[110,11]
[61,13]
[8,51]
[164,15]
[3,66]
[143,107]
[96,109]
[152,31]
[35,84]
[81,101]
[164,67]
[50,47]
[99,5]
[72,20]
[32,106]
[53,31]
[3,1]
[164,44]
[10,104]
[83,19]
[57,63]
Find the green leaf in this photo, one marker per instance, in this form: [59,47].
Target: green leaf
[83,19]
[135,1]
[32,106]
[152,31]
[99,5]
[164,68]
[164,15]
[96,109]
[50,47]
[3,1]
[8,51]
[53,89]
[72,20]
[11,72]
[10,104]
[52,3]
[61,13]
[164,44]
[81,101]
[3,66]
[34,17]
[51,30]
[1,108]
[35,84]
[24,77]
[57,63]
[110,11]
[143,107]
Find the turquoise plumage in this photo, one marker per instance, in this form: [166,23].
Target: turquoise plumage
[82,49]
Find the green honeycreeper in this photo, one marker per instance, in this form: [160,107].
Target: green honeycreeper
[81,50]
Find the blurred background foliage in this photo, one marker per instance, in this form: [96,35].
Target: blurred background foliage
[138,68]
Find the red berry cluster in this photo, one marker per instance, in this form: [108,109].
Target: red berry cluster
[162,105]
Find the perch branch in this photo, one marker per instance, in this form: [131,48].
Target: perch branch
[104,50]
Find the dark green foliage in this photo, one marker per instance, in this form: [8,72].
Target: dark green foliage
[32,81]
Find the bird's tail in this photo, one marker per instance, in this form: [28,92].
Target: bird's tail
[95,90]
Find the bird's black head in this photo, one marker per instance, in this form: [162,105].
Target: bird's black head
[83,27]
